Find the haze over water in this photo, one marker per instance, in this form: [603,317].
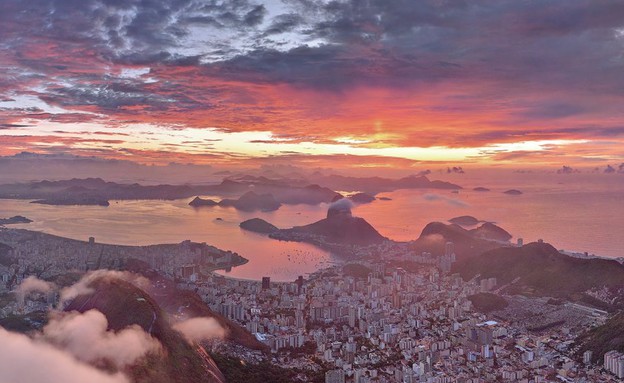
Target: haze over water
[581,213]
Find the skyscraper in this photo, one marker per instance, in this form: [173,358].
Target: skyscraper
[266,283]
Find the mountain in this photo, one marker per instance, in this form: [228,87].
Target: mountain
[27,166]
[309,195]
[434,236]
[95,191]
[285,190]
[360,198]
[543,270]
[374,185]
[464,220]
[14,220]
[491,232]
[171,299]
[198,202]
[74,200]
[602,339]
[124,305]
[258,225]
[341,229]
[92,191]
[251,201]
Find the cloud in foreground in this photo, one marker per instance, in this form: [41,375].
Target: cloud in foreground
[32,284]
[25,360]
[85,336]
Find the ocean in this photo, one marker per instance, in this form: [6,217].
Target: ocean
[584,214]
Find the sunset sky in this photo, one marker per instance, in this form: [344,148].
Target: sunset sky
[360,83]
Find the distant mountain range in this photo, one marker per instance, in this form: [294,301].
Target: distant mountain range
[249,201]
[96,191]
[374,185]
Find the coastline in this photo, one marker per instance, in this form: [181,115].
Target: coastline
[62,254]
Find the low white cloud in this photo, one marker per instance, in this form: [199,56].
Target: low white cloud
[24,360]
[199,329]
[85,336]
[32,284]
[432,239]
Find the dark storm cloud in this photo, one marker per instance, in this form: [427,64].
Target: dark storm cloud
[550,110]
[513,51]
[150,28]
[255,16]
[378,40]
[559,43]
[284,23]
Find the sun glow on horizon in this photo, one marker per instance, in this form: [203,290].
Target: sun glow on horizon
[122,142]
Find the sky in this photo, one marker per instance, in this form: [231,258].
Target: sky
[354,83]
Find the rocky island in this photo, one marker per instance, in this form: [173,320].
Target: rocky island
[338,230]
[14,220]
[73,200]
[258,225]
[361,198]
[251,201]
[199,202]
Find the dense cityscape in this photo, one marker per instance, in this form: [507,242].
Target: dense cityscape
[311,191]
[397,318]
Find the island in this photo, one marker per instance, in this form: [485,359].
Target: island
[513,192]
[340,231]
[73,201]
[199,202]
[374,185]
[14,220]
[311,190]
[362,198]
[258,225]
[251,201]
[481,189]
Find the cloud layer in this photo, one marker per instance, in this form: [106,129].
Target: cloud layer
[374,74]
